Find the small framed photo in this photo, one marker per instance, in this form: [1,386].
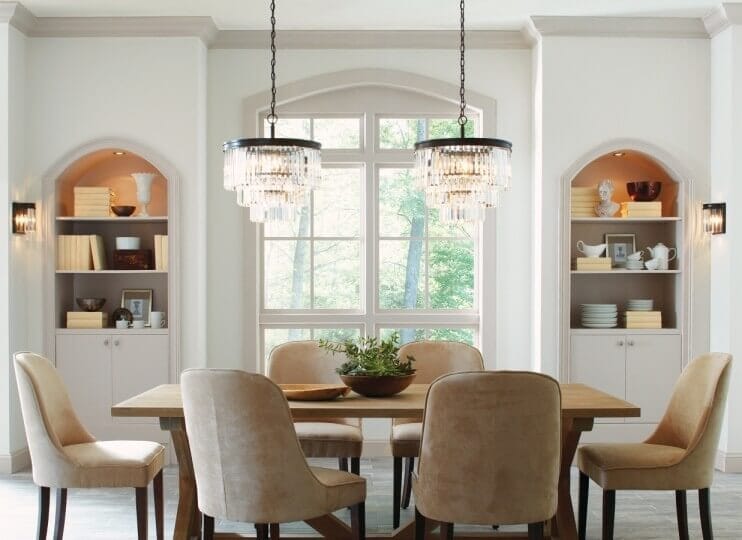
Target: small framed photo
[619,247]
[139,302]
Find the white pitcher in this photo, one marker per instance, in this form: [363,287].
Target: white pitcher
[144,190]
[664,254]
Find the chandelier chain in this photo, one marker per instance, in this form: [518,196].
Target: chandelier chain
[272,118]
[462,91]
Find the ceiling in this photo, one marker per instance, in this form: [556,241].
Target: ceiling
[368,14]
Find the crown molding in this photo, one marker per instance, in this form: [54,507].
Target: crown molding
[17,16]
[646,27]
[723,17]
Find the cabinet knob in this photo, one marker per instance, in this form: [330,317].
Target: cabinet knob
[620,343]
[106,342]
[631,343]
[115,342]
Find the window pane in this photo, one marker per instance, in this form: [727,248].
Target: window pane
[464,335]
[338,133]
[337,274]
[337,203]
[400,133]
[335,334]
[406,335]
[401,204]
[294,128]
[443,128]
[451,274]
[401,279]
[286,274]
[273,337]
[299,226]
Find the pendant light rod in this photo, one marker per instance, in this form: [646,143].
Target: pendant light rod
[462,91]
[272,118]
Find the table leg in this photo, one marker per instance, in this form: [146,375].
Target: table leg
[188,518]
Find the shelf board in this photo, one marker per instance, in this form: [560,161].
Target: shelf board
[640,331]
[623,272]
[112,272]
[626,220]
[116,219]
[113,331]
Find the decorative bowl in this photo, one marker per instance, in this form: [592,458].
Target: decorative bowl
[123,211]
[122,314]
[313,392]
[90,304]
[381,386]
[644,191]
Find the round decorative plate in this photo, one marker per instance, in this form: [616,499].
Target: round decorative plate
[313,392]
[122,314]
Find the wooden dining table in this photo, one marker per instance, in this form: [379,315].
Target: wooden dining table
[581,405]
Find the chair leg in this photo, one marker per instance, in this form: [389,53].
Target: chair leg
[343,464]
[159,503]
[43,522]
[609,513]
[396,491]
[262,531]
[207,529]
[358,521]
[407,486]
[419,525]
[582,512]
[141,497]
[536,531]
[59,513]
[355,465]
[275,530]
[681,504]
[704,502]
[446,531]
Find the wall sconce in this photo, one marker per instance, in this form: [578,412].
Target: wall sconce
[715,218]
[24,218]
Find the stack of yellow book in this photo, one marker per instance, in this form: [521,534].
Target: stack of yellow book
[644,319]
[593,264]
[641,209]
[161,252]
[93,201]
[583,201]
[77,252]
[87,319]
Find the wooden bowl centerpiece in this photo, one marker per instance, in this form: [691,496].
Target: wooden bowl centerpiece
[373,367]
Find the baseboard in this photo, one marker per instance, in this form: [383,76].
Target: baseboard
[376,448]
[17,461]
[730,462]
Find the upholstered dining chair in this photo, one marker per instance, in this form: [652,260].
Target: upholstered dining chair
[303,362]
[65,455]
[247,461]
[490,452]
[678,456]
[432,359]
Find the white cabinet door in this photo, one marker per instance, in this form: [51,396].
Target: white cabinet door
[84,362]
[653,365]
[599,360]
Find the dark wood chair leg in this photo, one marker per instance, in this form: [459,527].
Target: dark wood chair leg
[141,497]
[536,531]
[407,488]
[262,530]
[609,513]
[59,513]
[358,521]
[419,525]
[704,502]
[43,522]
[343,464]
[446,531]
[207,530]
[159,504]
[355,465]
[275,530]
[681,505]
[396,491]
[582,512]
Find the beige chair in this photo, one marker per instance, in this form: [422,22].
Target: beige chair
[678,456]
[64,455]
[304,362]
[248,464]
[490,452]
[432,359]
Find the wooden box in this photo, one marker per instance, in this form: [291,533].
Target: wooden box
[87,319]
[132,259]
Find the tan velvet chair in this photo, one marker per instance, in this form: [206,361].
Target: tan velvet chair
[432,359]
[678,456]
[490,452]
[304,362]
[248,463]
[65,455]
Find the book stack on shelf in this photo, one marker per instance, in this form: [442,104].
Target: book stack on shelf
[583,201]
[593,264]
[644,319]
[80,252]
[161,252]
[641,209]
[87,319]
[93,201]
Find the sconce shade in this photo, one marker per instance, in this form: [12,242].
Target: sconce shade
[24,218]
[715,218]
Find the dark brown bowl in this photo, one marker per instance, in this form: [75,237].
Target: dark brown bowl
[123,211]
[90,304]
[382,386]
[644,191]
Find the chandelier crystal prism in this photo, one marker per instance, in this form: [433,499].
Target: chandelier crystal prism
[272,176]
[462,176]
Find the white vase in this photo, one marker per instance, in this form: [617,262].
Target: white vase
[144,190]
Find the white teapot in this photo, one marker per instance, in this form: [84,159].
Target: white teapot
[664,254]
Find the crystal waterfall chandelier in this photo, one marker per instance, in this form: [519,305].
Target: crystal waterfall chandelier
[463,176]
[271,176]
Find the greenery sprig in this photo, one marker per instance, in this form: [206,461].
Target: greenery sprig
[370,356]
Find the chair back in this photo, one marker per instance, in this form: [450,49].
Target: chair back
[247,460]
[304,362]
[436,358]
[48,416]
[490,451]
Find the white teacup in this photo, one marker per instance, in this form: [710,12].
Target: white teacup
[590,251]
[636,256]
[122,324]
[157,319]
[137,324]
[653,264]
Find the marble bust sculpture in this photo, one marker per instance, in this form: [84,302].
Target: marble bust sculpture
[606,207]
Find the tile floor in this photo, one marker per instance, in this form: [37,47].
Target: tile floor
[109,514]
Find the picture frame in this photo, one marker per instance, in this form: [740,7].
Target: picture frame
[619,247]
[139,303]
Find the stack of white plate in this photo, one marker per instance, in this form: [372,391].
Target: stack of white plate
[640,305]
[634,265]
[599,315]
